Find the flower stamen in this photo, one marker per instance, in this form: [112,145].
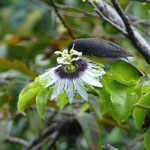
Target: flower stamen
[68,57]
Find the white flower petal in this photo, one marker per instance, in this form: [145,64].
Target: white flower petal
[96,72]
[70,90]
[48,73]
[87,78]
[49,78]
[52,81]
[79,86]
[59,85]
[92,64]
[72,84]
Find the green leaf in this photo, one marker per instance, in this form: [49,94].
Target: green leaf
[62,99]
[28,93]
[147,140]
[37,79]
[104,94]
[6,64]
[115,135]
[124,72]
[95,104]
[41,100]
[90,129]
[123,98]
[84,108]
[146,88]
[140,113]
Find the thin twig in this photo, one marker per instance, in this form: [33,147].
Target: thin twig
[53,139]
[106,18]
[81,13]
[61,19]
[38,138]
[142,29]
[88,14]
[140,138]
[41,144]
[131,33]
[50,139]
[47,121]
[109,147]
[148,1]
[144,21]
[142,106]
[16,140]
[55,127]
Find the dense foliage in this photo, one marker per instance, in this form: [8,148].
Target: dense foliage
[115,114]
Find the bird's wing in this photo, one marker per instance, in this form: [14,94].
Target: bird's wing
[99,47]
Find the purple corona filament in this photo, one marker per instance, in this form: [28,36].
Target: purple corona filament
[63,74]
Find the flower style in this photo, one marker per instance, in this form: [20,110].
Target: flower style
[71,75]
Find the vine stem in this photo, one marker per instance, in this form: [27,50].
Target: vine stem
[61,19]
[142,106]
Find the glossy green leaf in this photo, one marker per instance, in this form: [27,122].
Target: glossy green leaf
[6,64]
[95,104]
[140,113]
[124,72]
[147,140]
[62,99]
[146,88]
[28,93]
[41,100]
[104,94]
[123,98]
[90,129]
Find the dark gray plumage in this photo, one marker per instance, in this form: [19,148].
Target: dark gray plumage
[99,48]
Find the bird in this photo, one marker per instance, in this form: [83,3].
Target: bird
[101,51]
[95,48]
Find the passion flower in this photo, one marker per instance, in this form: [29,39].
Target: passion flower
[71,75]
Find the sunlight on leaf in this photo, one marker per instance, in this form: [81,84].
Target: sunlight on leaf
[146,88]
[27,94]
[124,72]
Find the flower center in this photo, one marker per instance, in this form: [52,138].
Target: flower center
[71,67]
[73,70]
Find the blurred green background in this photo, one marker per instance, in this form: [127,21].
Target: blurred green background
[29,34]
